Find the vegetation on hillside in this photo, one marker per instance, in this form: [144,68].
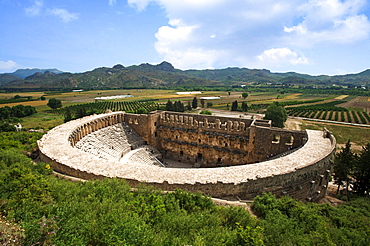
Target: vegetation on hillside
[37,208]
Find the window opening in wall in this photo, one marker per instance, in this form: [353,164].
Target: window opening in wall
[181,153]
[276,139]
[155,134]
[136,121]
[290,140]
[219,160]
[155,123]
[199,157]
[226,144]
[199,140]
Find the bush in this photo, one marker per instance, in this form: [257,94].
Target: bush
[206,112]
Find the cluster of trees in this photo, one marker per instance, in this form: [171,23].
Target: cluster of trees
[177,106]
[78,111]
[18,98]
[243,107]
[353,170]
[18,111]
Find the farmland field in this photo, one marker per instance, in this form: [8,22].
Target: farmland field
[343,108]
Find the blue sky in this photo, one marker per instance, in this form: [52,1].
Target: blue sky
[306,36]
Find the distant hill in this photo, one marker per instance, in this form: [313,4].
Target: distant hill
[23,73]
[165,75]
[6,78]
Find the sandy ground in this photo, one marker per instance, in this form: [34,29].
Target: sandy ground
[293,124]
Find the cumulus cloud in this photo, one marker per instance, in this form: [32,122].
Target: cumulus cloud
[330,21]
[245,33]
[63,14]
[35,9]
[280,56]
[8,65]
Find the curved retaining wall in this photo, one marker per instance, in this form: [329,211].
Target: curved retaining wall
[303,174]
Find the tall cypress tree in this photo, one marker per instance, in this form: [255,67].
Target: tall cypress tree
[343,165]
[244,106]
[169,106]
[194,104]
[234,106]
[189,106]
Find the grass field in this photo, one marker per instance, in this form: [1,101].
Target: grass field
[42,121]
[357,135]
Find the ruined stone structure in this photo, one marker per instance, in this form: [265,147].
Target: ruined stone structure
[230,156]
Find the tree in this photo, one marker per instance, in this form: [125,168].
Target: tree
[244,107]
[234,106]
[209,104]
[81,111]
[244,95]
[169,106]
[343,165]
[179,106]
[361,172]
[67,115]
[54,103]
[194,104]
[277,114]
[189,106]
[202,103]
[141,111]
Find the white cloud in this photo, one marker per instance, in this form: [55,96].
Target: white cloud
[281,56]
[35,9]
[38,9]
[330,21]
[8,65]
[244,33]
[173,45]
[140,5]
[63,14]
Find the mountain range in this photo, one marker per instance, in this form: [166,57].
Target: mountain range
[165,75]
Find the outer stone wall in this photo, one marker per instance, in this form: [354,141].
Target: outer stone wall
[303,174]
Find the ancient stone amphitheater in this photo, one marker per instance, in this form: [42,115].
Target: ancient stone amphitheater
[228,157]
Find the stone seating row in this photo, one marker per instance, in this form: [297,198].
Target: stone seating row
[109,143]
[119,142]
[141,156]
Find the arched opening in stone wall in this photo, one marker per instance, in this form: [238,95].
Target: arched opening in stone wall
[290,140]
[276,139]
